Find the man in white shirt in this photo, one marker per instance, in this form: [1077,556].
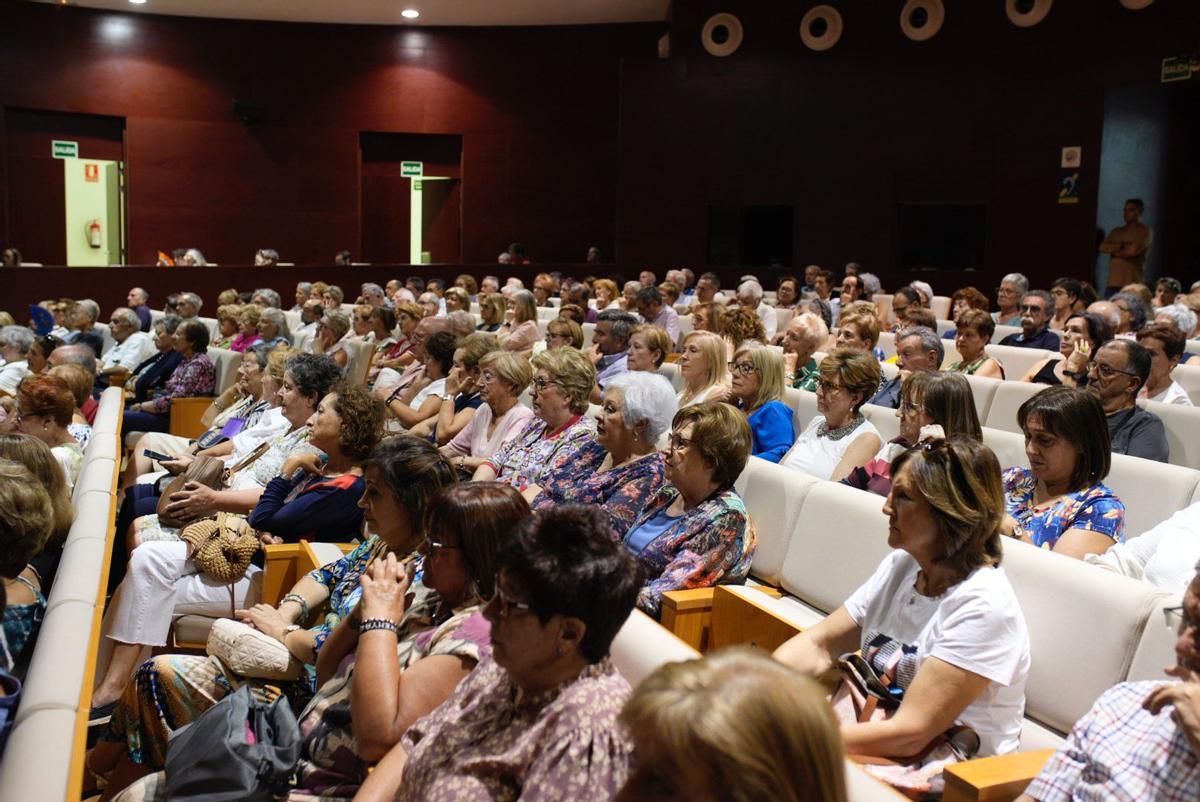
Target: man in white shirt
[133,346]
[652,309]
[750,295]
[310,313]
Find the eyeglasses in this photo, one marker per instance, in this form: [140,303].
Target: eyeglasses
[540,384]
[744,368]
[828,387]
[432,545]
[907,409]
[487,377]
[676,443]
[1106,371]
[1177,619]
[1023,308]
[506,606]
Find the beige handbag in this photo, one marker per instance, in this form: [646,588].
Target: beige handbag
[250,653]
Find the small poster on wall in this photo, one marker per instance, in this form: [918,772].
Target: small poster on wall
[1068,187]
[1072,157]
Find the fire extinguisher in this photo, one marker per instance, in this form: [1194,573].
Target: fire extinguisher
[94,233]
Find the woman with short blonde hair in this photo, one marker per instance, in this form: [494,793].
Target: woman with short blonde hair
[520,330]
[491,311]
[734,725]
[704,368]
[330,338]
[708,317]
[757,389]
[648,347]
[563,332]
[607,294]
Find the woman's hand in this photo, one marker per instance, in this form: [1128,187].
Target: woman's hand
[265,619]
[194,501]
[311,463]
[384,586]
[456,381]
[178,464]
[1078,361]
[1008,525]
[267,539]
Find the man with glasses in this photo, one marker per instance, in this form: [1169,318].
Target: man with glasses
[1141,740]
[918,349]
[1116,373]
[1035,309]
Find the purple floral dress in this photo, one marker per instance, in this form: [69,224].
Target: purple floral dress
[535,454]
[1093,508]
[621,492]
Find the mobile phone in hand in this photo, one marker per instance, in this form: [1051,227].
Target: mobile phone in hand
[156,456]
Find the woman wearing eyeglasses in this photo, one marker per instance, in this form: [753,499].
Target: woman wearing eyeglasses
[555,438]
[538,719]
[1083,333]
[839,439]
[1060,501]
[695,532]
[756,388]
[503,376]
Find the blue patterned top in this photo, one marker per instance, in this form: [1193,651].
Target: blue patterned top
[1093,508]
[21,621]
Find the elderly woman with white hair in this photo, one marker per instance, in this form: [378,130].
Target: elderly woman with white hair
[273,327]
[636,410]
[15,342]
[1008,297]
[1182,318]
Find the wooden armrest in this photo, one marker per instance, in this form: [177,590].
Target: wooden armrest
[737,620]
[688,614]
[186,414]
[118,377]
[994,779]
[282,570]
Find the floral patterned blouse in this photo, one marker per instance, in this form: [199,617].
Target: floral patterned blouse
[621,492]
[535,454]
[1093,508]
[708,545]
[341,578]
[193,377]
[491,743]
[329,763]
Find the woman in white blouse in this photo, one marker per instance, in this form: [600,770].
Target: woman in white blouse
[503,376]
[704,369]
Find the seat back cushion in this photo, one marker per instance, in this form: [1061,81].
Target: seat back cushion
[773,496]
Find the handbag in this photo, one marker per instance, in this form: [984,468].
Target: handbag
[222,546]
[250,653]
[208,471]
[864,694]
[239,749]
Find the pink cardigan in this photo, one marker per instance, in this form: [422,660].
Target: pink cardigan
[473,441]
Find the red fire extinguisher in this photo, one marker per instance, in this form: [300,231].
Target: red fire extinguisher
[94,233]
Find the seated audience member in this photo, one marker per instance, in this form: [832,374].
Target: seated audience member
[40,461]
[193,376]
[1118,370]
[655,311]
[917,316]
[563,333]
[973,331]
[1132,312]
[932,405]
[695,531]
[803,337]
[629,293]
[266,298]
[43,346]
[503,376]
[188,305]
[839,439]
[903,298]
[400,354]
[859,330]
[8,414]
[273,328]
[430,304]
[303,292]
[491,312]
[1082,335]
[704,368]
[1035,317]
[708,317]
[26,519]
[152,375]
[734,725]
[1165,344]
[138,302]
[635,412]
[964,299]
[311,312]
[648,348]
[83,316]
[1140,739]
[79,382]
[1142,292]
[457,300]
[741,326]
[563,590]
[610,347]
[1060,501]
[579,294]
[333,298]
[556,436]
[520,330]
[1162,556]
[925,291]
[401,477]
[229,297]
[305,498]
[83,357]
[852,290]
[132,349]
[824,289]
[45,406]
[756,388]
[460,396]
[1067,296]
[938,620]
[330,337]
[1008,299]
[1180,316]
[917,350]
[1166,290]
[422,399]
[15,342]
[391,384]
[787,292]
[607,294]
[227,325]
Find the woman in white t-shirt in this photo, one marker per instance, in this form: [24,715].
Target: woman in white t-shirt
[939,616]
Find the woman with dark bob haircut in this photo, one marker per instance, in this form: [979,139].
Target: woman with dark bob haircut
[538,718]
[1060,501]
[1082,336]
[938,620]
[194,376]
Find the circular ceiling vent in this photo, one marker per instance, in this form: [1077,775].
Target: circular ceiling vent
[922,19]
[1027,13]
[722,35]
[821,28]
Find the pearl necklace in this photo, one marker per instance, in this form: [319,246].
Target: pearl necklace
[823,429]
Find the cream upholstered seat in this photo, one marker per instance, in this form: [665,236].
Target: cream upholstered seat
[803,404]
[1009,395]
[1188,377]
[670,371]
[983,389]
[1003,331]
[226,364]
[773,496]
[1017,361]
[641,646]
[940,306]
[884,419]
[1183,431]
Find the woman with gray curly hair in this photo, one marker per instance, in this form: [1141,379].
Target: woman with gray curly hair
[635,411]
[273,327]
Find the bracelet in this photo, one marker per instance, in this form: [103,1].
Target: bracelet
[369,624]
[298,599]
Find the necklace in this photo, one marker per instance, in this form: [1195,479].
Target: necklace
[823,429]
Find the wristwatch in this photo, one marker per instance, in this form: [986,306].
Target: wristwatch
[448,396]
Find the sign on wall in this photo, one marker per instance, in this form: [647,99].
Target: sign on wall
[412,169]
[91,172]
[64,149]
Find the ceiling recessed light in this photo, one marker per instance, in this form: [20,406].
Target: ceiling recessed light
[408,13]
[138,2]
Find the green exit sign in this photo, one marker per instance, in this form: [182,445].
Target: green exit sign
[412,169]
[1178,69]
[62,149]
